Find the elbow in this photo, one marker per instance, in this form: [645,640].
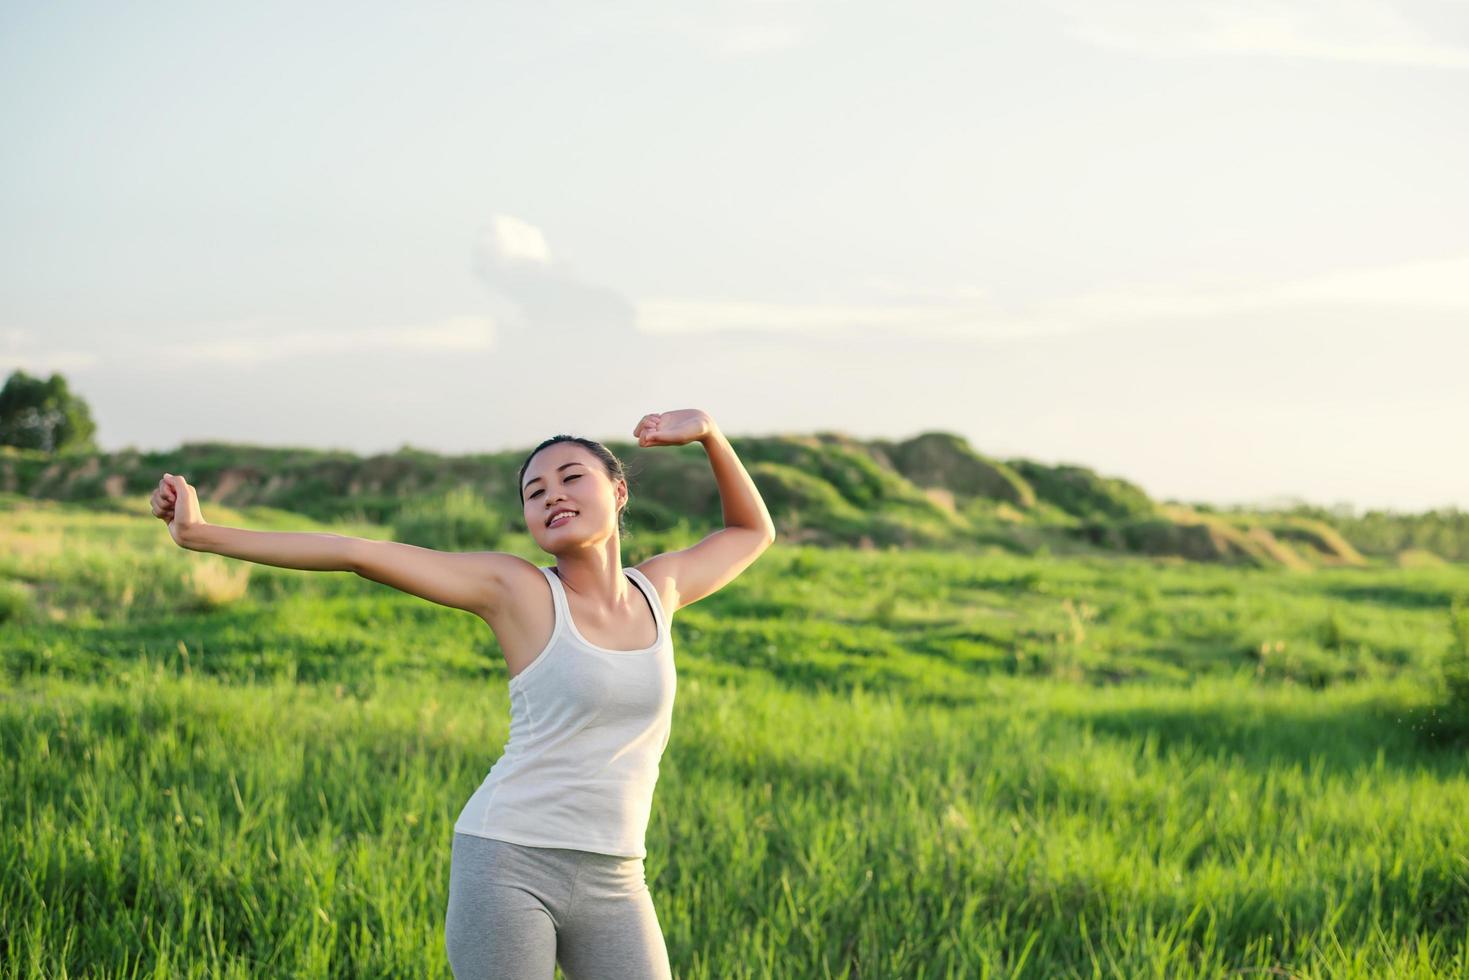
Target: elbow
[351,558]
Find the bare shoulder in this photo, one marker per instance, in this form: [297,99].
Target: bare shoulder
[516,580]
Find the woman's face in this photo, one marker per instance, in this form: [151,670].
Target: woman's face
[565,476]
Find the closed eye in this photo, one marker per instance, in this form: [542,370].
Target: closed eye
[574,476]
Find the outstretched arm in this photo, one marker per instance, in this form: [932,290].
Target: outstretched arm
[472,581]
[176,503]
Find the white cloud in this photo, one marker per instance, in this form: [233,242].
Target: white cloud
[46,362]
[973,320]
[453,333]
[460,333]
[546,296]
[968,312]
[1441,284]
[509,241]
[1372,31]
[17,354]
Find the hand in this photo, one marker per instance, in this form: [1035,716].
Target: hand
[176,503]
[673,428]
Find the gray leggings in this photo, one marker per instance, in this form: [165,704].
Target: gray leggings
[515,911]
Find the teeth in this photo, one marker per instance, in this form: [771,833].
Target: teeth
[559,517]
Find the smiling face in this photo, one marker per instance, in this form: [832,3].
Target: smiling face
[566,477]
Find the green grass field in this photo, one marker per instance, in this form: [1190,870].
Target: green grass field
[883,764]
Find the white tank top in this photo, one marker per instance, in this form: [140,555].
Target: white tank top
[588,727]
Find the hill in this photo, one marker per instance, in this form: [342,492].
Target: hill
[933,490]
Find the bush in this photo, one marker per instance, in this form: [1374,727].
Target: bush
[213,583]
[1456,669]
[15,602]
[1082,492]
[943,459]
[1447,721]
[458,520]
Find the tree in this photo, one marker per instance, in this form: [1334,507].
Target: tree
[45,415]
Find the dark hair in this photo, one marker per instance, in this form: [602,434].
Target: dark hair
[610,463]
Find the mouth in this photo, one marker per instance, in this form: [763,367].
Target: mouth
[561,518]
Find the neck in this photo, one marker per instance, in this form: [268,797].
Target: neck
[597,575]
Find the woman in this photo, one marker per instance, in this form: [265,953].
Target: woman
[546,863]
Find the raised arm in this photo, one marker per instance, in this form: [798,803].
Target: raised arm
[471,581]
[714,562]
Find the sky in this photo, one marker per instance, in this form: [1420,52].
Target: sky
[1220,249]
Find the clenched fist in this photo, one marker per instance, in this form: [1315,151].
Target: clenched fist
[176,504]
[675,428]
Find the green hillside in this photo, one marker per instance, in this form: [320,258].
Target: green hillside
[931,491]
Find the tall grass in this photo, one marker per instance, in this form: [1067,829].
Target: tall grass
[884,764]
